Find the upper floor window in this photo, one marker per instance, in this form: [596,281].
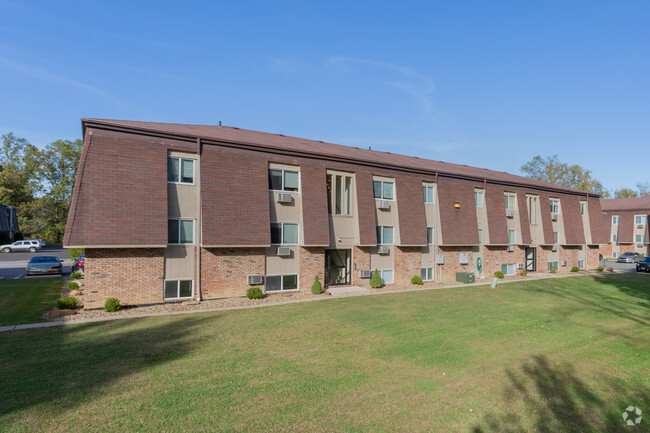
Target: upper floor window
[479,197]
[583,208]
[180,231]
[180,170]
[556,237]
[284,233]
[640,238]
[614,238]
[383,190]
[339,194]
[532,209]
[427,192]
[511,201]
[640,219]
[429,235]
[615,219]
[512,236]
[480,236]
[283,180]
[384,235]
[555,205]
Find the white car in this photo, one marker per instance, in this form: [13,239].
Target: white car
[30,245]
[40,241]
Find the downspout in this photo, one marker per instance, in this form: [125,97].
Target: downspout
[199,221]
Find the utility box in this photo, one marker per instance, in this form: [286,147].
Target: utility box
[465,277]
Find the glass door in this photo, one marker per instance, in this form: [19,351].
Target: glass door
[337,267]
[531,259]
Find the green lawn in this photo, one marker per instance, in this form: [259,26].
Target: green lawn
[553,355]
[25,301]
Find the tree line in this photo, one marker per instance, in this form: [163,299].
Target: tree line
[39,183]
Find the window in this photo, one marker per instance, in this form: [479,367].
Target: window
[178,289]
[384,235]
[512,236]
[180,170]
[581,264]
[640,219]
[386,276]
[280,283]
[583,208]
[430,235]
[640,238]
[508,269]
[511,201]
[555,205]
[180,231]
[532,209]
[479,197]
[552,266]
[427,192]
[556,237]
[283,180]
[614,238]
[480,236]
[615,254]
[615,219]
[339,194]
[284,233]
[426,274]
[382,190]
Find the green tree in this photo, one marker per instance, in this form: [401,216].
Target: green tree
[625,193]
[551,170]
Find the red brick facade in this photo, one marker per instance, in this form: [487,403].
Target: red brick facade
[360,261]
[407,263]
[224,271]
[312,263]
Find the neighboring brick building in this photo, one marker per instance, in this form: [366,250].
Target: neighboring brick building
[627,223]
[169,211]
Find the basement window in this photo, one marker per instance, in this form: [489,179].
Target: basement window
[178,289]
[508,269]
[426,274]
[280,283]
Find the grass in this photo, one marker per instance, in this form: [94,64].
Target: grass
[25,301]
[552,355]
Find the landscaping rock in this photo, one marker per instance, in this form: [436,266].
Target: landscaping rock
[76,293]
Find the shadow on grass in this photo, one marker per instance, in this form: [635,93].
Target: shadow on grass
[552,399]
[634,285]
[56,368]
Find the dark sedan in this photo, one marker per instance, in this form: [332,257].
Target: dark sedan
[643,265]
[79,262]
[40,265]
[629,257]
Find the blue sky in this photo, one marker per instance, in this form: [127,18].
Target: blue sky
[488,84]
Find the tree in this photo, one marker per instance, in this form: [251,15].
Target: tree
[644,189]
[625,193]
[551,170]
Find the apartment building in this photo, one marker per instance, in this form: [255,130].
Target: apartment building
[171,212]
[627,219]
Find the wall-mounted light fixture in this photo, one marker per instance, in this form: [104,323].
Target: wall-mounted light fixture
[457,205]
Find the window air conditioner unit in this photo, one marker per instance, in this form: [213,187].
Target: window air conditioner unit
[440,259]
[383,250]
[640,226]
[463,258]
[284,198]
[554,247]
[520,266]
[511,248]
[640,245]
[365,274]
[554,216]
[284,251]
[255,279]
[384,205]
[564,262]
[510,213]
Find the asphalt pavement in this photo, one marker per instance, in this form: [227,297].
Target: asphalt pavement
[12,265]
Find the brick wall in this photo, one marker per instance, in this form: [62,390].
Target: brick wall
[407,263]
[495,256]
[593,253]
[606,250]
[542,258]
[570,254]
[312,263]
[452,263]
[224,271]
[360,257]
[133,275]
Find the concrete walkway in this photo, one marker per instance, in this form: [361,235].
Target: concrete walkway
[337,292]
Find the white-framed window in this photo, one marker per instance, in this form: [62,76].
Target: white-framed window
[386,276]
[480,236]
[280,283]
[180,170]
[178,289]
[555,205]
[479,197]
[427,193]
[426,274]
[614,237]
[383,190]
[583,208]
[532,209]
[284,233]
[640,219]
[385,235]
[615,254]
[430,235]
[512,236]
[180,231]
[640,238]
[556,237]
[508,269]
[552,265]
[339,194]
[615,219]
[581,264]
[511,201]
[284,180]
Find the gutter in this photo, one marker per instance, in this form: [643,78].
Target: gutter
[199,220]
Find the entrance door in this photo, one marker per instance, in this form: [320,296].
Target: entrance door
[337,267]
[531,259]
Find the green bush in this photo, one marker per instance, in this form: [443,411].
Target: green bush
[524,272]
[76,275]
[75,252]
[112,305]
[73,285]
[254,293]
[600,269]
[67,303]
[553,270]
[499,274]
[575,269]
[375,281]
[316,288]
[416,279]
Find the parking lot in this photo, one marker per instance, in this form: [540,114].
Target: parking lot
[12,265]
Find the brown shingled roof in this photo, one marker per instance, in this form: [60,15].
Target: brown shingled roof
[265,139]
[636,203]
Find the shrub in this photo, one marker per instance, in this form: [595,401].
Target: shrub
[72,285]
[316,288]
[575,269]
[416,279]
[600,269]
[75,252]
[553,270]
[76,275]
[499,274]
[112,305]
[523,273]
[254,293]
[67,303]
[375,281]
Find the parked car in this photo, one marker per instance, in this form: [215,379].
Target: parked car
[40,241]
[629,257]
[79,262]
[29,245]
[643,265]
[44,265]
